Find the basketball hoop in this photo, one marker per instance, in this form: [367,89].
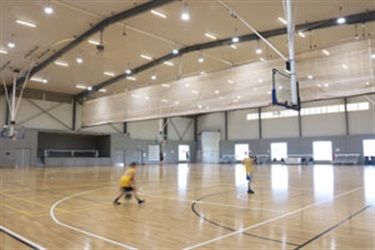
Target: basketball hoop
[13,132]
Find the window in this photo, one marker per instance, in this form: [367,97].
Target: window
[311,111]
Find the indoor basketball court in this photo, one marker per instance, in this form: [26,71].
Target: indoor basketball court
[207,98]
[191,206]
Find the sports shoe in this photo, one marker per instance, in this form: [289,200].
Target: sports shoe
[115,202]
[141,201]
[250,191]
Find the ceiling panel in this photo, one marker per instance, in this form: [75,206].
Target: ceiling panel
[148,34]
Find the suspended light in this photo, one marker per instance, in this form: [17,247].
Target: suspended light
[235,39]
[48,9]
[341,19]
[185,13]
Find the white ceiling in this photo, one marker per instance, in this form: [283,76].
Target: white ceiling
[151,35]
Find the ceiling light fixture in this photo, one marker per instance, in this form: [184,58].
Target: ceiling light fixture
[11,44]
[146,57]
[344,66]
[3,51]
[79,60]
[259,49]
[128,71]
[107,73]
[200,58]
[356,36]
[341,19]
[37,79]
[326,52]
[159,14]
[185,13]
[48,9]
[80,86]
[63,64]
[283,20]
[32,25]
[310,77]
[210,36]
[301,34]
[235,38]
[373,56]
[168,63]
[175,51]
[131,78]
[102,90]
[164,85]
[94,42]
[153,77]
[233,46]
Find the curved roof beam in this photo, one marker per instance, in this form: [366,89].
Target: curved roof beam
[351,19]
[97,27]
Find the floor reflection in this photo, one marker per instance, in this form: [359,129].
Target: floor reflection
[324,181]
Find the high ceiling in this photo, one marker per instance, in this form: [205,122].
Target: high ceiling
[145,33]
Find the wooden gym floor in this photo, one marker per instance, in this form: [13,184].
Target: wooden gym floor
[189,206]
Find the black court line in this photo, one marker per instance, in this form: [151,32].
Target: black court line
[333,227]
[19,240]
[232,229]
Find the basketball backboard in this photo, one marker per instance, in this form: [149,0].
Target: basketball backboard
[282,91]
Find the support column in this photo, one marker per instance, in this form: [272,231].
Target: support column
[346,116]
[226,125]
[74,113]
[260,122]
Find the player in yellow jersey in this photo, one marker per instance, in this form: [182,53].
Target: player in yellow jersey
[127,183]
[248,162]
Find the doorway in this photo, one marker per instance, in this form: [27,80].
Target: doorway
[279,151]
[23,157]
[183,153]
[322,150]
[119,158]
[241,151]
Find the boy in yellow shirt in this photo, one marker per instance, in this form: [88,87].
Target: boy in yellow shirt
[126,185]
[248,162]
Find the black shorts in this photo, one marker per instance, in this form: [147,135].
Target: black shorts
[127,189]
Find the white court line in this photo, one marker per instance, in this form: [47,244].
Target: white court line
[36,246]
[213,203]
[270,220]
[80,230]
